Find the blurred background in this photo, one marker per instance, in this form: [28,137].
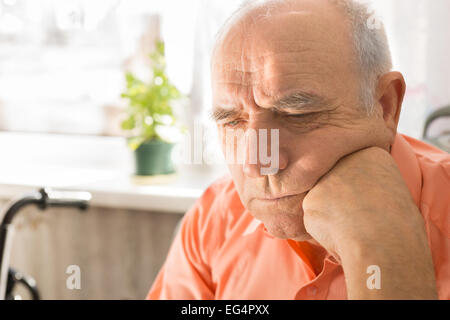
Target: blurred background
[62,72]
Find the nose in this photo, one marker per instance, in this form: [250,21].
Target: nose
[263,154]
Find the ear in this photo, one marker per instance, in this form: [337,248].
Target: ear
[390,92]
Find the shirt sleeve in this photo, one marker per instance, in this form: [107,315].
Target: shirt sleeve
[185,274]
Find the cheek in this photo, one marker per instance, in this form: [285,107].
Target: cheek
[310,160]
[232,144]
[243,185]
[236,172]
[238,176]
[317,154]
[317,159]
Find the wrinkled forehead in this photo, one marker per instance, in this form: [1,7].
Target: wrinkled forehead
[276,53]
[282,26]
[300,37]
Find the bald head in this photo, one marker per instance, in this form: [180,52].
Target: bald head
[342,26]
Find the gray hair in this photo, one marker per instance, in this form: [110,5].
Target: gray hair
[371,47]
[370,44]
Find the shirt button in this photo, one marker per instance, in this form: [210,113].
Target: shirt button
[312,290]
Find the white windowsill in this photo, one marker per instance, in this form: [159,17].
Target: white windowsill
[100,165]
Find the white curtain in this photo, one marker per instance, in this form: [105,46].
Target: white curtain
[177,26]
[418,31]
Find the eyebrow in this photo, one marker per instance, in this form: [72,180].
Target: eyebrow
[297,102]
[300,101]
[221,113]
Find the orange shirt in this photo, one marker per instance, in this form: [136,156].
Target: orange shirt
[222,252]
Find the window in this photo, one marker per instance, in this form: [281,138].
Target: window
[62,62]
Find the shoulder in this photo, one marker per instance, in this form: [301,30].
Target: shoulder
[435,170]
[428,153]
[434,167]
[214,214]
[221,196]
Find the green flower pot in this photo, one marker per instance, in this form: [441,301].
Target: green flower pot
[154,158]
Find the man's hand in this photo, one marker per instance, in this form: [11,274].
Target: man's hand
[362,212]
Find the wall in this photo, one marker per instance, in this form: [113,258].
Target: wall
[118,251]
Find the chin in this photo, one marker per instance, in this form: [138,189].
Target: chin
[288,228]
[285,235]
[283,219]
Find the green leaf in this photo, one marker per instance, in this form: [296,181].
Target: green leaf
[129,124]
[149,98]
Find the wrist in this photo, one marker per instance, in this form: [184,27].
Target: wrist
[382,272]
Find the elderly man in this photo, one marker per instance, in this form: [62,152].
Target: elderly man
[353,209]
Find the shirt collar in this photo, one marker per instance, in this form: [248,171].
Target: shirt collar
[254,225]
[407,163]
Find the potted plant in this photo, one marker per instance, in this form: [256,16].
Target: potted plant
[150,117]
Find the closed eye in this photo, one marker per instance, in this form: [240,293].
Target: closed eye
[233,123]
[297,115]
[303,119]
[301,115]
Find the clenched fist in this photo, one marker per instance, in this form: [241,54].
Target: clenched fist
[362,212]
